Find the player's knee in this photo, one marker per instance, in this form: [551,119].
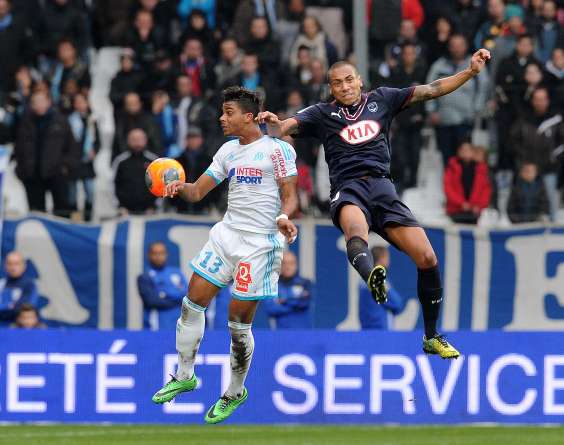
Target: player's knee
[427,259]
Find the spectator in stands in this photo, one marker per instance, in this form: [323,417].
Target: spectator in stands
[467,17]
[453,115]
[162,288]
[316,90]
[146,39]
[272,10]
[301,73]
[255,80]
[195,111]
[379,316]
[111,22]
[554,70]
[493,27]
[528,201]
[440,36]
[16,288]
[127,80]
[507,41]
[46,153]
[84,127]
[229,64]
[548,33]
[186,9]
[195,161]
[536,138]
[534,14]
[313,37]
[15,45]
[133,116]
[68,67]
[292,308]
[408,34]
[197,68]
[129,175]
[263,44]
[59,20]
[162,12]
[466,185]
[165,118]
[407,137]
[27,317]
[162,76]
[197,28]
[510,90]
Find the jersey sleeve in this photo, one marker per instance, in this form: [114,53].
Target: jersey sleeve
[396,98]
[217,169]
[284,160]
[310,122]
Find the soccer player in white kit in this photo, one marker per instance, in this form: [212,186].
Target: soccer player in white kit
[245,247]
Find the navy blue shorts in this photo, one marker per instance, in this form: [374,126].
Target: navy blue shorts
[378,199]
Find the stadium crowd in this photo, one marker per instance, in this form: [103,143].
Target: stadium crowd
[177,56]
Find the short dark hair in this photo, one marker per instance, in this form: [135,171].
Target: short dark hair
[525,35]
[249,101]
[340,64]
[27,307]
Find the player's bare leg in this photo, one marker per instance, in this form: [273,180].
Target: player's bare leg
[414,242]
[355,227]
[241,315]
[189,333]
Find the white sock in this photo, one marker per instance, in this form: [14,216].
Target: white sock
[189,333]
[242,347]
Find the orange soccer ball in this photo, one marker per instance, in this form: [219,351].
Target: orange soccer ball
[161,172]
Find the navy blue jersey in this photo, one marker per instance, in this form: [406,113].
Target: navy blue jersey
[356,138]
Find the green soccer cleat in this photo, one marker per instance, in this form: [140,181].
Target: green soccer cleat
[439,345]
[377,284]
[224,407]
[173,388]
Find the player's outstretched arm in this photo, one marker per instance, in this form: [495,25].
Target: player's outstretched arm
[191,191]
[289,204]
[275,126]
[447,85]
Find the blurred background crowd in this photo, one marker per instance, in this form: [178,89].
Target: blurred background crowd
[499,139]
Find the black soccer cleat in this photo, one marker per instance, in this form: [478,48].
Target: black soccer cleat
[377,284]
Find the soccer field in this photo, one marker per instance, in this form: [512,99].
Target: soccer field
[277,435]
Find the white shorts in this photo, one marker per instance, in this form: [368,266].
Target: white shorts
[251,260]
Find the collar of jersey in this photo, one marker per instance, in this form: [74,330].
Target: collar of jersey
[354,116]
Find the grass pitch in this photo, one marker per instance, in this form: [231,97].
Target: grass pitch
[276,435]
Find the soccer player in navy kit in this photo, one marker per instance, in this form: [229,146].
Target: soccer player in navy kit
[354,130]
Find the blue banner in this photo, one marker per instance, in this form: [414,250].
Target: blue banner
[506,279]
[296,377]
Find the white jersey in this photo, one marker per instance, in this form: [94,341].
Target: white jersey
[252,171]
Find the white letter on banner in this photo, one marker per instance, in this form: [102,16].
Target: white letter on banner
[552,384]
[439,401]
[223,360]
[70,361]
[175,407]
[402,385]
[532,285]
[104,382]
[284,379]
[14,382]
[473,384]
[492,381]
[332,383]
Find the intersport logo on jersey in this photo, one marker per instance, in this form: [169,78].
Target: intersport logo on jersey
[360,132]
[246,175]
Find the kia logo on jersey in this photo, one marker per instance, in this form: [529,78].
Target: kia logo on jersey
[360,132]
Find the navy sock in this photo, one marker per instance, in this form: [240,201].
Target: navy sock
[430,293]
[360,256]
